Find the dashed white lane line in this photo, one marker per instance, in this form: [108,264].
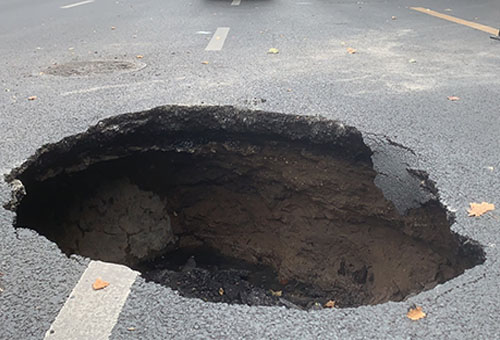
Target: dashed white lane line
[77,4]
[92,314]
[217,41]
[236,3]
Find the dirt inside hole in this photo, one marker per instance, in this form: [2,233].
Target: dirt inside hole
[245,218]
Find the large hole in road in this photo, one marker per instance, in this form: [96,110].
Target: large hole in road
[237,206]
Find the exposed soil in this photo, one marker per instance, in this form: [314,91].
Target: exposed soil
[206,274]
[231,217]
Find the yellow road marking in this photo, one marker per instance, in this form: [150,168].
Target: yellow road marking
[475,25]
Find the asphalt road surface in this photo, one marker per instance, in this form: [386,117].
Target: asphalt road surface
[397,85]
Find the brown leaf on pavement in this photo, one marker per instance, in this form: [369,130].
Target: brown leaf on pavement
[276,292]
[221,291]
[351,50]
[99,284]
[415,313]
[478,209]
[453,98]
[273,51]
[32,97]
[330,304]
[139,56]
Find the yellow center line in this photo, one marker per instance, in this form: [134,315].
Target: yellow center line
[475,25]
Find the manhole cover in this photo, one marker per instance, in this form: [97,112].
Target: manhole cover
[86,68]
[240,207]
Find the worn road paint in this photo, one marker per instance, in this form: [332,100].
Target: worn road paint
[78,4]
[217,41]
[89,313]
[236,3]
[471,24]
[114,86]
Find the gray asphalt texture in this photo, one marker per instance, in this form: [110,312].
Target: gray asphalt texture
[377,90]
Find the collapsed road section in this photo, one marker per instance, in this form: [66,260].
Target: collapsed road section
[236,206]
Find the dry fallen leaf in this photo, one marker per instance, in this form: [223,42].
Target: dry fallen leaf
[139,56]
[453,98]
[393,17]
[412,61]
[32,98]
[330,304]
[131,329]
[204,62]
[99,284]
[415,313]
[351,50]
[276,292]
[221,291]
[113,27]
[273,51]
[478,209]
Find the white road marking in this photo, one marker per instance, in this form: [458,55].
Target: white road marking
[204,32]
[77,4]
[217,41]
[92,314]
[236,3]
[114,86]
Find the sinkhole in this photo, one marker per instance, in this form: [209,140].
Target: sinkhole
[237,206]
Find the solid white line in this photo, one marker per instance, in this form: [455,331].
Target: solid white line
[78,4]
[217,41]
[236,3]
[92,314]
